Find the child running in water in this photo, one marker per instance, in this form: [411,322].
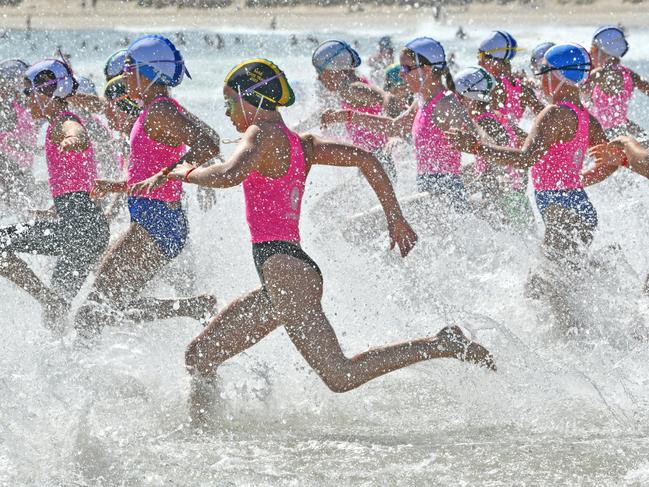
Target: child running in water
[423,67]
[272,164]
[502,188]
[555,150]
[77,233]
[512,97]
[336,63]
[159,139]
[611,85]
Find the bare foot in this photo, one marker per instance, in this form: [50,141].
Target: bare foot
[461,347]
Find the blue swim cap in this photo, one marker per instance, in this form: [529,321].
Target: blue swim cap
[157,59]
[571,61]
[611,40]
[499,45]
[115,64]
[429,49]
[538,53]
[335,55]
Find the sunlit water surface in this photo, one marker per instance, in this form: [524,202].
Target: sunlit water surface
[560,411]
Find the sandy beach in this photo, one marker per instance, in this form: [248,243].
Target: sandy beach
[64,14]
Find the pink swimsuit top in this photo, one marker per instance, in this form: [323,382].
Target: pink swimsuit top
[147,157]
[560,167]
[433,152]
[69,171]
[360,136]
[273,204]
[513,108]
[516,179]
[24,132]
[611,110]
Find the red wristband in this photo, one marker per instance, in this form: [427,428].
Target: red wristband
[475,147]
[350,115]
[186,178]
[165,171]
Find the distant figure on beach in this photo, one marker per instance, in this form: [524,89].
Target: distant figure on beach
[460,34]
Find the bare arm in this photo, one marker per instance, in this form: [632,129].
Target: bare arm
[529,99]
[378,124]
[167,125]
[640,83]
[244,159]
[321,152]
[547,128]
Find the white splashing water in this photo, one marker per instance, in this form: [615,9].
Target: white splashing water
[558,412]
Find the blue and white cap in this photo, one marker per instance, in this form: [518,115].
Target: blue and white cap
[611,40]
[499,45]
[63,79]
[115,64]
[430,49]
[335,55]
[474,83]
[86,85]
[571,61]
[538,53]
[157,59]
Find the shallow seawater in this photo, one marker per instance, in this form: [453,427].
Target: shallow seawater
[562,409]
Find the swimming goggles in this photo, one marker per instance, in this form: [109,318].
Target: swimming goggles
[546,68]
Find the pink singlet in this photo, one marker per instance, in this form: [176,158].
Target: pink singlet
[148,157]
[360,136]
[433,152]
[513,108]
[24,132]
[515,177]
[273,204]
[611,110]
[560,167]
[69,172]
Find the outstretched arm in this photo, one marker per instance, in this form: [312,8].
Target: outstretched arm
[546,128]
[623,151]
[249,150]
[335,154]
[391,127]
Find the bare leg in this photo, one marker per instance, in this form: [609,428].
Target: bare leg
[15,269]
[149,309]
[295,290]
[129,264]
[236,328]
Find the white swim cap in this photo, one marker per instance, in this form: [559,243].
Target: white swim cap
[429,49]
[499,45]
[157,59]
[61,78]
[611,40]
[335,55]
[474,83]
